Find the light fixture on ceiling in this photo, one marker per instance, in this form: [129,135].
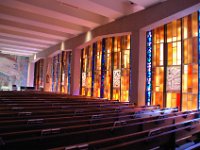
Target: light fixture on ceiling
[61,2]
[131,2]
[163,1]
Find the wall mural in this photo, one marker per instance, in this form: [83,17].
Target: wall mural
[48,75]
[84,79]
[116,78]
[13,71]
[174,78]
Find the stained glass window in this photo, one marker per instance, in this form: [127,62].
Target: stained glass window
[61,72]
[149,68]
[39,74]
[175,64]
[110,68]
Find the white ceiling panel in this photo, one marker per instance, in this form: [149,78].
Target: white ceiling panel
[34,25]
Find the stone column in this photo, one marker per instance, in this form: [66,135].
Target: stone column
[75,72]
[30,76]
[138,67]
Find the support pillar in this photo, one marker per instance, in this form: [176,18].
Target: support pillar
[30,77]
[138,66]
[75,72]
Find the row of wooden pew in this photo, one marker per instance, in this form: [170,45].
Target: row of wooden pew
[39,120]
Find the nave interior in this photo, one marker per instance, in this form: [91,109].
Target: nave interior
[42,120]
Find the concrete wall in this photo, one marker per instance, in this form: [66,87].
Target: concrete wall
[75,72]
[137,23]
[30,78]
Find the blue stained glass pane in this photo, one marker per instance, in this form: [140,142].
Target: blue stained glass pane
[102,68]
[199,59]
[148,67]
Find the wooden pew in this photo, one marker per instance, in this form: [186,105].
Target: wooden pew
[89,135]
[148,139]
[161,140]
[83,120]
[194,147]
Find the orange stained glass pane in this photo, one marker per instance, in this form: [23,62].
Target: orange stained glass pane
[126,59]
[88,92]
[119,43]
[158,98]
[83,91]
[195,24]
[185,27]
[125,84]
[116,94]
[170,52]
[186,51]
[189,102]
[153,79]
[178,29]
[108,62]
[158,55]
[189,78]
[178,62]
[195,83]
[155,35]
[184,102]
[174,54]
[169,32]
[169,98]
[97,81]
[185,78]
[115,59]
[158,76]
[109,45]
[174,100]
[174,32]
[153,98]
[190,51]
[189,26]
[194,102]
[154,55]
[107,81]
[115,45]
[195,49]
[162,34]
[128,42]
[123,42]
[161,54]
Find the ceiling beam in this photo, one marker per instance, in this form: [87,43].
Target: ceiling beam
[28,38]
[20,47]
[35,33]
[41,19]
[16,32]
[146,3]
[16,53]
[17,50]
[34,28]
[14,42]
[77,15]
[93,7]
[24,41]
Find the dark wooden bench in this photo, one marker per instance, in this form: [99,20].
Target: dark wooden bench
[148,139]
[79,136]
[108,118]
